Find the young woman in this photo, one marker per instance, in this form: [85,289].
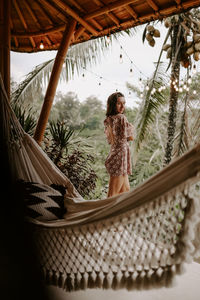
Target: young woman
[118,132]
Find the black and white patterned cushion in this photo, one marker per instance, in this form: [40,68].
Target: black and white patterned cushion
[41,201]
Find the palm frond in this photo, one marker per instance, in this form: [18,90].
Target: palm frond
[144,33]
[196,125]
[154,155]
[133,88]
[33,81]
[79,57]
[25,118]
[150,106]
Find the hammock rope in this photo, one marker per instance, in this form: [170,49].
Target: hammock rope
[136,240]
[141,248]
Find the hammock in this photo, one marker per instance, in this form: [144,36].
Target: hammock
[135,240]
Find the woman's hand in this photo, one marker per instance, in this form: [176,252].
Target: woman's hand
[130,138]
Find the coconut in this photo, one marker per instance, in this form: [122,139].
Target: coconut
[165,47]
[150,28]
[156,33]
[197,46]
[196,37]
[188,44]
[152,43]
[149,37]
[196,56]
[185,63]
[176,18]
[169,51]
[190,50]
[167,23]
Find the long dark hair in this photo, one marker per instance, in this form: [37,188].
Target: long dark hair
[111,104]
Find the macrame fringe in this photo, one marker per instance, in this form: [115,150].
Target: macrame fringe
[188,246]
[157,268]
[129,280]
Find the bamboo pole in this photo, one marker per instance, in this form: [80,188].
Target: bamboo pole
[53,82]
[5,9]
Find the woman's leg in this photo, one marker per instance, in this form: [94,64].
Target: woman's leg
[115,185]
[126,185]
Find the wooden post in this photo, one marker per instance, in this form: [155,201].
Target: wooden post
[5,8]
[53,82]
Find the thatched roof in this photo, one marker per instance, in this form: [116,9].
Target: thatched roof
[33,21]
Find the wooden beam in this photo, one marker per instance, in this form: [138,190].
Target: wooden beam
[53,82]
[66,8]
[11,24]
[16,42]
[178,2]
[45,12]
[121,3]
[87,36]
[179,5]
[83,11]
[135,21]
[20,14]
[30,49]
[55,10]
[113,18]
[23,21]
[131,11]
[143,18]
[5,12]
[153,5]
[35,19]
[74,2]
[79,32]
[32,14]
[96,24]
[108,8]
[98,3]
[101,4]
[39,33]
[184,5]
[48,40]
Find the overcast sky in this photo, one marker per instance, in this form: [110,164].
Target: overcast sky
[114,74]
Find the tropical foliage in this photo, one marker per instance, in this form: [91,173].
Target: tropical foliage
[79,57]
[71,154]
[167,121]
[80,151]
[184,32]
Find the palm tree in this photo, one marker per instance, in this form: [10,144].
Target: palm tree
[179,51]
[188,127]
[177,42]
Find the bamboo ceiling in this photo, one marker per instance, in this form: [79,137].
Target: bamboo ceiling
[33,21]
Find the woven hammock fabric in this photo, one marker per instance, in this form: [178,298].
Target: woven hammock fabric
[135,240]
[141,248]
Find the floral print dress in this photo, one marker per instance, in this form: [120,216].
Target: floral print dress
[117,130]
